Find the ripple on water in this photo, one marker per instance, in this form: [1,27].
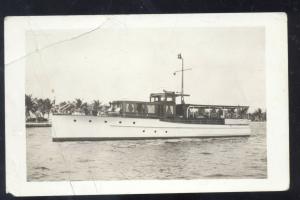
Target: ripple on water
[189,158]
[41,168]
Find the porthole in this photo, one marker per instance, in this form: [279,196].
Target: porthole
[133,122]
[154,131]
[90,120]
[105,121]
[74,120]
[143,131]
[166,131]
[120,122]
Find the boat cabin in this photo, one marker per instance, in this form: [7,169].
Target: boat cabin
[163,106]
[139,109]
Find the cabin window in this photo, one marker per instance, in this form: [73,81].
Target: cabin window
[154,99]
[141,108]
[193,112]
[151,109]
[130,108]
[201,112]
[220,113]
[169,109]
[144,109]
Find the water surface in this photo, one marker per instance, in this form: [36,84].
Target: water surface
[240,157]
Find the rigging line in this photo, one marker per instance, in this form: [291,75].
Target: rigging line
[57,43]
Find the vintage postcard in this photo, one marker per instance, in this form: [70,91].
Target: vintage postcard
[137,104]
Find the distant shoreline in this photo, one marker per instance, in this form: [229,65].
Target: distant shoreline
[38,124]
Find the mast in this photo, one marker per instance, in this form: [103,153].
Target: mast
[182,76]
[182,99]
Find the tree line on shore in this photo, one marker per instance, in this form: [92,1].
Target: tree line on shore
[258,115]
[36,108]
[39,109]
[78,106]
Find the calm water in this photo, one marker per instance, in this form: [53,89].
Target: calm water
[146,159]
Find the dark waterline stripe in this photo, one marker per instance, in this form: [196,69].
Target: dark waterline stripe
[136,138]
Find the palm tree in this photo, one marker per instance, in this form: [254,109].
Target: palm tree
[41,107]
[96,107]
[78,103]
[243,112]
[47,106]
[264,116]
[257,115]
[30,104]
[84,108]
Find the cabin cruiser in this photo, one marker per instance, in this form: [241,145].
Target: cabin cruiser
[160,117]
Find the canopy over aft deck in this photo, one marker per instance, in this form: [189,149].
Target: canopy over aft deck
[218,106]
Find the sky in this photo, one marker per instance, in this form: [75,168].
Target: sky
[228,64]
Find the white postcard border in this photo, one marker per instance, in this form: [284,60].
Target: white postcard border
[277,104]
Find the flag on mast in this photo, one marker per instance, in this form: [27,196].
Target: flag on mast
[179,56]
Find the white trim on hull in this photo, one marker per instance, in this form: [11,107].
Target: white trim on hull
[70,128]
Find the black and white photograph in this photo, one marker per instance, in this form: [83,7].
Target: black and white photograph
[161,98]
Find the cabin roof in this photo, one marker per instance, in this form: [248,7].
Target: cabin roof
[167,93]
[143,102]
[164,94]
[217,106]
[129,101]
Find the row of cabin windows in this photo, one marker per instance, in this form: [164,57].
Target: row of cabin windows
[143,108]
[158,99]
[139,108]
[216,113]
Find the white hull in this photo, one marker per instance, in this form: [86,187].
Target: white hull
[71,127]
